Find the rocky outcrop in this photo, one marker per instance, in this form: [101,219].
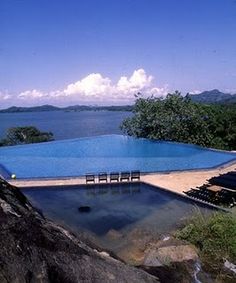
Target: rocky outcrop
[169,251]
[34,249]
[171,260]
[164,256]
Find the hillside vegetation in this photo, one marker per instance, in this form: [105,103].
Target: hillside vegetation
[178,118]
[215,237]
[24,135]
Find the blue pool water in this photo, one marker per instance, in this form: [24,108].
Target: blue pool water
[123,208]
[106,153]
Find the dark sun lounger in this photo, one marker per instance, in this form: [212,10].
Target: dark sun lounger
[102,177]
[135,175]
[114,176]
[90,178]
[124,176]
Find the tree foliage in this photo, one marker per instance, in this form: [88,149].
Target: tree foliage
[24,135]
[177,118]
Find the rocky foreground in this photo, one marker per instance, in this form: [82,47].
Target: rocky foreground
[34,249]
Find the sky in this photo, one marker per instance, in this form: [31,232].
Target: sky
[102,52]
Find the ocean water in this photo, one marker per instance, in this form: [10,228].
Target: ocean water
[67,125]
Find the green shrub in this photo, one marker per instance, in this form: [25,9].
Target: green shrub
[24,135]
[215,236]
[177,118]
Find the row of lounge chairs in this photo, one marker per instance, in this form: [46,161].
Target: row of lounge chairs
[113,177]
[227,180]
[220,190]
[223,197]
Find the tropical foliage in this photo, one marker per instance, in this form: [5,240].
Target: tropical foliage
[23,135]
[178,118]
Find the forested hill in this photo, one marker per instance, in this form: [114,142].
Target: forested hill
[213,97]
[15,109]
[206,97]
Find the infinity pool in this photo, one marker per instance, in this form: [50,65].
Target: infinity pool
[106,153]
[118,213]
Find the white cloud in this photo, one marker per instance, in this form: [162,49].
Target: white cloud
[5,96]
[159,91]
[92,85]
[31,94]
[96,89]
[137,82]
[195,92]
[230,90]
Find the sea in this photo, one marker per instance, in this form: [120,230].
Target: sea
[67,125]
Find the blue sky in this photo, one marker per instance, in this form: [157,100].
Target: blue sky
[103,51]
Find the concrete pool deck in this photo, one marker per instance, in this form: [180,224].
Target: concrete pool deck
[173,181]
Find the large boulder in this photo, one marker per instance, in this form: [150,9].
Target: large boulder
[169,251]
[172,260]
[34,249]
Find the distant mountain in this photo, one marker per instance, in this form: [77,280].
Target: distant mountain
[15,109]
[231,100]
[213,96]
[208,97]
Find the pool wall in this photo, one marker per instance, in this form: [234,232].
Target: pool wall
[6,174]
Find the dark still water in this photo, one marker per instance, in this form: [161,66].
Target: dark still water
[66,125]
[117,214]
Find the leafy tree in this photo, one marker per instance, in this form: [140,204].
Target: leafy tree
[25,135]
[177,118]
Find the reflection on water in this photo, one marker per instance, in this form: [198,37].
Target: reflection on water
[118,214]
[113,189]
